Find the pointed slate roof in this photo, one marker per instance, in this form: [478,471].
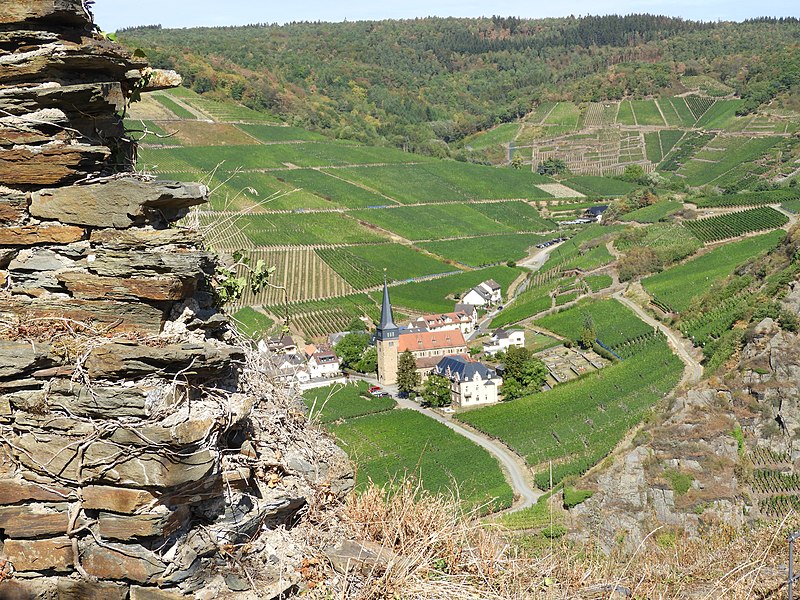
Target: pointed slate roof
[386,328]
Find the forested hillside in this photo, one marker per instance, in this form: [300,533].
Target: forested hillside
[426,84]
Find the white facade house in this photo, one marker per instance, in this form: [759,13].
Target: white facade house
[323,364]
[471,383]
[485,293]
[503,339]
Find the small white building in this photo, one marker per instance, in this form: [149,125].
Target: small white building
[278,345]
[471,383]
[323,364]
[503,339]
[485,293]
[469,310]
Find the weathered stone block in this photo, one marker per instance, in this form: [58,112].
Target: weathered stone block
[149,593]
[17,358]
[33,235]
[156,524]
[53,554]
[92,287]
[50,165]
[182,264]
[71,589]
[118,203]
[121,562]
[114,499]
[100,401]
[13,205]
[122,359]
[107,462]
[34,520]
[142,238]
[13,491]
[123,316]
[69,12]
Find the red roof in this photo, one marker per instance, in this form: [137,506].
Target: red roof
[431,340]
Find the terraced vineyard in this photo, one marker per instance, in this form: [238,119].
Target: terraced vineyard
[485,250]
[578,423]
[335,402]
[735,224]
[614,323]
[392,445]
[675,288]
[712,324]
[320,317]
[299,274]
[305,229]
[747,199]
[364,267]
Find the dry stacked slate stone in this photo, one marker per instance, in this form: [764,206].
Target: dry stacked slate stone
[141,453]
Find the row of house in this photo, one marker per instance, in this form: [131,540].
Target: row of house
[304,368]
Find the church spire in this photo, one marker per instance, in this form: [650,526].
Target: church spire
[386,328]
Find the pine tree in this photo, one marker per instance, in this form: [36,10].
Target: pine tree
[407,376]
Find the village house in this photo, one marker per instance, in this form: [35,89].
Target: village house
[471,383]
[281,344]
[469,310]
[445,322]
[427,347]
[323,363]
[503,339]
[486,293]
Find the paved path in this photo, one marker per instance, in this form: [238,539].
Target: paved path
[694,370]
[513,466]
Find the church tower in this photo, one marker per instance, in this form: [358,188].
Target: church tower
[387,338]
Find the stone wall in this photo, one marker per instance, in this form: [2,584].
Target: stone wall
[142,452]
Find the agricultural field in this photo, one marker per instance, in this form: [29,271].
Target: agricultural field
[684,149]
[653,213]
[578,423]
[272,156]
[596,186]
[363,267]
[723,155]
[625,115]
[299,274]
[279,133]
[659,143]
[438,295]
[670,242]
[585,251]
[305,229]
[531,302]
[446,181]
[720,115]
[502,134]
[712,324]
[314,318]
[747,199]
[333,188]
[676,112]
[598,282]
[176,109]
[646,112]
[485,250]
[564,114]
[391,445]
[675,288]
[735,224]
[614,323]
[335,402]
[792,206]
[252,323]
[449,220]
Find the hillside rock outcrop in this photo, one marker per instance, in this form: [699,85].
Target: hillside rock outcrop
[143,453]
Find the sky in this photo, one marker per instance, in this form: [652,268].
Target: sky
[111,15]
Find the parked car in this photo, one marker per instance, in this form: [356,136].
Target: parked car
[380,394]
[373,388]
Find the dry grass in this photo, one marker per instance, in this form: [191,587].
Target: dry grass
[439,552]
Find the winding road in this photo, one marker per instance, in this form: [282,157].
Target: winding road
[694,370]
[513,466]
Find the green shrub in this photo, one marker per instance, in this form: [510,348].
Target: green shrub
[680,482]
[573,497]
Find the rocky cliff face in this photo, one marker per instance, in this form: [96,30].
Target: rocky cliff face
[143,454]
[722,454]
